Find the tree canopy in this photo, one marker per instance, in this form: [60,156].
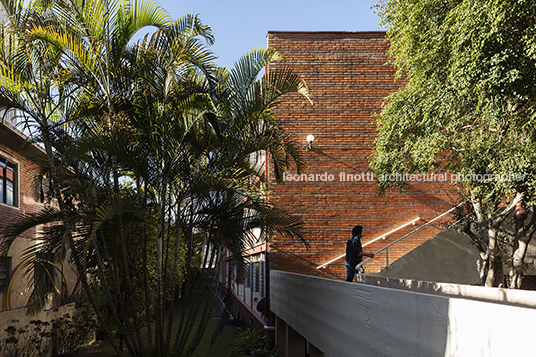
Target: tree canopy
[467,107]
[153,155]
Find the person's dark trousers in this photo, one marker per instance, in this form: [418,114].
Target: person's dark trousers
[350,272]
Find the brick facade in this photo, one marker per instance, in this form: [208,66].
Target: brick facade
[248,293]
[348,77]
[28,160]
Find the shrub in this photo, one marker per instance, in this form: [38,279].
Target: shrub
[251,342]
[68,334]
[31,340]
[62,337]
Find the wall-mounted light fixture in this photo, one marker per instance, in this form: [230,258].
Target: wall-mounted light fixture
[310,139]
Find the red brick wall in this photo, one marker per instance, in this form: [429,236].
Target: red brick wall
[27,169]
[28,158]
[347,75]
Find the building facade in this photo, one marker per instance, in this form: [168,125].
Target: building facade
[349,76]
[20,164]
[21,179]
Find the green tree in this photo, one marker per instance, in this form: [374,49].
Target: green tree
[157,150]
[466,107]
[59,58]
[28,84]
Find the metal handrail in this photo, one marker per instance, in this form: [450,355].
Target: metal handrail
[372,241]
[407,235]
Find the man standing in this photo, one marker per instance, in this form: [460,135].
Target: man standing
[354,253]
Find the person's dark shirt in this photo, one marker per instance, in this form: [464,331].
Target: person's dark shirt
[353,248]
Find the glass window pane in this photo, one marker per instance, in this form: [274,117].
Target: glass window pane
[9,193]
[257,277]
[10,184]
[10,172]
[2,183]
[248,275]
[5,267]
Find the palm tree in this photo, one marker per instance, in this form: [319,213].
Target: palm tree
[181,134]
[107,69]
[28,85]
[56,56]
[197,176]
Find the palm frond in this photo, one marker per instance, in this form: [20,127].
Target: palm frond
[12,7]
[114,207]
[144,13]
[25,222]
[246,70]
[190,26]
[282,81]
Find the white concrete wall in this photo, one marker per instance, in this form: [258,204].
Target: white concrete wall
[351,319]
[19,318]
[524,298]
[20,282]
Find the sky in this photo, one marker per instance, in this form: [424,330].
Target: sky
[241,25]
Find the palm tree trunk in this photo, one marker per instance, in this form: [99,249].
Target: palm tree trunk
[70,241]
[200,293]
[143,234]
[110,300]
[173,282]
[116,288]
[208,304]
[185,293]
[167,238]
[133,330]
[159,251]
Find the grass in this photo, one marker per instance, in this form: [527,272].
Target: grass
[219,349]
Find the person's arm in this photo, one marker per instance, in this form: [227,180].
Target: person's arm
[363,254]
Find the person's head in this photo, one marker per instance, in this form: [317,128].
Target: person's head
[357,231]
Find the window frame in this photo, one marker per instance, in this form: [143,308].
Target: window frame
[6,163]
[257,277]
[247,277]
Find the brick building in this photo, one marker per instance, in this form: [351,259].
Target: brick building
[20,163]
[348,76]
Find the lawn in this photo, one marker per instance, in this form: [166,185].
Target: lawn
[219,349]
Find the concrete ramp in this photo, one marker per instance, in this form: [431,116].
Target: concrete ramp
[325,317]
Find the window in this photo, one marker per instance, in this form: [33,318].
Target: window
[5,272]
[8,182]
[247,279]
[235,274]
[42,188]
[257,273]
